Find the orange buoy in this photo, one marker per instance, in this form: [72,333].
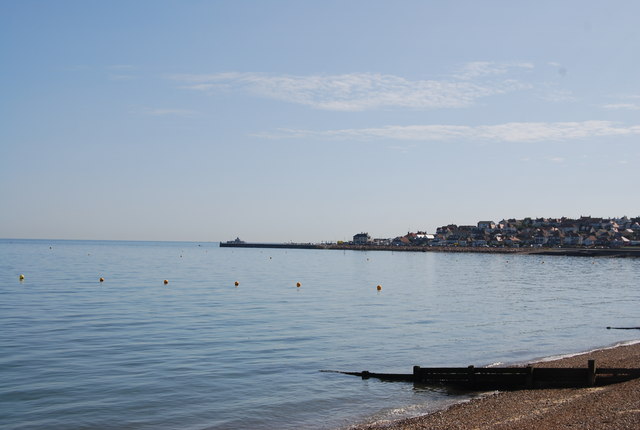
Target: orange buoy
[21,277]
[166,282]
[379,287]
[298,284]
[237,283]
[101,279]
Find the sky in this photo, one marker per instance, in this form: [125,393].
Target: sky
[312,121]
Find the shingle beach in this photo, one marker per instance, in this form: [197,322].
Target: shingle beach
[615,406]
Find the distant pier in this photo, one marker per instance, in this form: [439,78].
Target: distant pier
[271,245]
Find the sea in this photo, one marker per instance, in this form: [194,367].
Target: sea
[231,341]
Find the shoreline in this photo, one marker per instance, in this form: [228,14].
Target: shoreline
[572,252]
[615,406]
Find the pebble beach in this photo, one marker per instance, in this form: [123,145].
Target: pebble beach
[615,406]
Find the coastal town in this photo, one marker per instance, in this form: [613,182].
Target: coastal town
[584,232]
[585,236]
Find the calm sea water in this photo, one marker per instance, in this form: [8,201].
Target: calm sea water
[201,353]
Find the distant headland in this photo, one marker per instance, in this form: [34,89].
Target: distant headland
[585,236]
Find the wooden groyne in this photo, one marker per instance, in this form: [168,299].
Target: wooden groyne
[509,378]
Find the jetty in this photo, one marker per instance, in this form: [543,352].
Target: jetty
[240,244]
[508,378]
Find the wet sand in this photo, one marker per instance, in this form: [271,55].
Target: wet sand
[615,406]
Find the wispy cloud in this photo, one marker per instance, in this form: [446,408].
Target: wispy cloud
[365,91]
[555,95]
[508,132]
[166,112]
[624,106]
[624,102]
[479,69]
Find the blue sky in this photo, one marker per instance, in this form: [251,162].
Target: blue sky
[313,120]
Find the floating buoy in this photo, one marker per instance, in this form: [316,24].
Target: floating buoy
[237,283]
[166,282]
[379,288]
[21,277]
[298,284]
[101,279]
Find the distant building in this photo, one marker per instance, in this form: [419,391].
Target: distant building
[362,239]
[586,231]
[486,225]
[401,241]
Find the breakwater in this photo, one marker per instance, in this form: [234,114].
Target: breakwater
[349,247]
[271,245]
[573,252]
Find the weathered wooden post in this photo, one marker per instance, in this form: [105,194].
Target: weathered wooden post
[416,374]
[591,375]
[471,370]
[529,377]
